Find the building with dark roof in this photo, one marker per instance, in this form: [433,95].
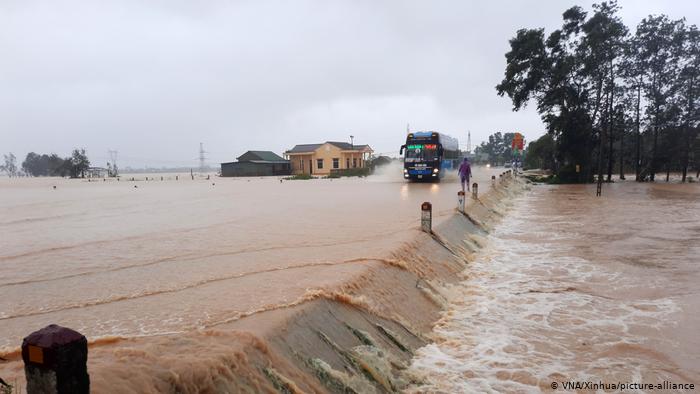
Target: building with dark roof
[323,158]
[256,163]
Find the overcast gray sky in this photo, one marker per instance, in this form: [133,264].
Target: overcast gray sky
[153,79]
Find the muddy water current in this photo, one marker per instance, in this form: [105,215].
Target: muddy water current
[576,288]
[151,257]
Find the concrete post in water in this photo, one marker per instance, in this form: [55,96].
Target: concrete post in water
[475,190]
[426,217]
[55,361]
[176,177]
[460,199]
[493,180]
[500,179]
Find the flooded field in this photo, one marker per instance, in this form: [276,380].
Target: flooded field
[202,285]
[151,257]
[576,288]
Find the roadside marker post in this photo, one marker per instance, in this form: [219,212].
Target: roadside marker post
[426,217]
[493,180]
[460,199]
[475,190]
[55,361]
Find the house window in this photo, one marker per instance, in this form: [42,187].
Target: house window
[319,163]
[354,162]
[336,163]
[347,163]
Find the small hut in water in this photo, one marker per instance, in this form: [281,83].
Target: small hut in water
[256,163]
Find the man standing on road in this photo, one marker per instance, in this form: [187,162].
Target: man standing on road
[465,172]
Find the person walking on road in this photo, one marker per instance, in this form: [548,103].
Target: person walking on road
[465,172]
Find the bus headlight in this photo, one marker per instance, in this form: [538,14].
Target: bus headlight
[436,170]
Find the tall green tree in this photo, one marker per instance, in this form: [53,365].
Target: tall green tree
[79,163]
[659,44]
[46,165]
[689,92]
[10,166]
[601,48]
[633,74]
[571,76]
[540,153]
[498,147]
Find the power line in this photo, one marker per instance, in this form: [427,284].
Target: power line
[469,141]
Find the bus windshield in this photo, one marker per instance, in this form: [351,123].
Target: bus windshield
[421,152]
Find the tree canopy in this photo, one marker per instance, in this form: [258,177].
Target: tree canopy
[594,83]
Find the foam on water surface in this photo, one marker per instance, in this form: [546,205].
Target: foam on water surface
[544,302]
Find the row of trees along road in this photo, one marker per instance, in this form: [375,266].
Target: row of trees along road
[611,99]
[498,148]
[35,164]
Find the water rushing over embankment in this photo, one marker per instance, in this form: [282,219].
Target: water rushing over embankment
[576,288]
[237,284]
[566,287]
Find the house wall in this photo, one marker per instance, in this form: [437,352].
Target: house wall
[254,169]
[348,157]
[297,167]
[326,152]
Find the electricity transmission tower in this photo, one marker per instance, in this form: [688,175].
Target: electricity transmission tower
[113,160]
[202,158]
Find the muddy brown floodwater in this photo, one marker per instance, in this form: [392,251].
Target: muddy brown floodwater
[145,258]
[577,288]
[257,285]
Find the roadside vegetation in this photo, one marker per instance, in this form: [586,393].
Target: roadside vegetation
[613,99]
[298,177]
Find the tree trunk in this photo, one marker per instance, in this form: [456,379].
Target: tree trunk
[668,172]
[611,120]
[601,144]
[653,153]
[638,158]
[686,154]
[686,130]
[622,154]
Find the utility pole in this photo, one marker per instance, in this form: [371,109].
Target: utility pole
[202,158]
[352,142]
[469,142]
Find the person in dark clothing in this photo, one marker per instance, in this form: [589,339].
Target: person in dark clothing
[465,172]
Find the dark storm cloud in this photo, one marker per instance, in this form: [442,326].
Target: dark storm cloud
[153,79]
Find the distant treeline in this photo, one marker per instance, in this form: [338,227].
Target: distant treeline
[498,148]
[611,99]
[35,164]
